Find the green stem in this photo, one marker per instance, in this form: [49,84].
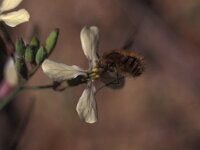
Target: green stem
[8,98]
[32,72]
[40,87]
[18,89]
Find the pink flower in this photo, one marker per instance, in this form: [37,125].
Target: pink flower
[10,79]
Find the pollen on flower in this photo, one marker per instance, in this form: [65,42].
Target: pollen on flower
[97,76]
[95,69]
[94,74]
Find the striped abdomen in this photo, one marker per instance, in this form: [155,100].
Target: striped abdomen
[124,62]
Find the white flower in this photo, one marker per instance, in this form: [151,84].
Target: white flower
[10,79]
[10,73]
[86,107]
[14,18]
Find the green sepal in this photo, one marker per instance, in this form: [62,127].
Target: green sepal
[20,47]
[35,43]
[30,54]
[40,55]
[51,40]
[76,81]
[21,68]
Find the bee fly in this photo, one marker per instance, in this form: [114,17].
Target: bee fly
[117,64]
[123,62]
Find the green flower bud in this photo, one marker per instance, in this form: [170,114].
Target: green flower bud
[29,54]
[21,68]
[20,47]
[35,43]
[40,55]
[51,40]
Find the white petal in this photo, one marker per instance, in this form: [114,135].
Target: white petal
[9,4]
[61,72]
[90,41]
[10,73]
[86,107]
[14,18]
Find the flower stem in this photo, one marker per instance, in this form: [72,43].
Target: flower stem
[40,87]
[32,72]
[18,89]
[8,98]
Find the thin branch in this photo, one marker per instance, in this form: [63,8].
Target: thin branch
[32,72]
[39,87]
[8,98]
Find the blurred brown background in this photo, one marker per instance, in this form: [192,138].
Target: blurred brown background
[157,111]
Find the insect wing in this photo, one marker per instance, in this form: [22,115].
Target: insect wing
[113,80]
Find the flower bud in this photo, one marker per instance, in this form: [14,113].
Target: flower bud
[51,40]
[35,43]
[20,48]
[29,54]
[40,55]
[21,68]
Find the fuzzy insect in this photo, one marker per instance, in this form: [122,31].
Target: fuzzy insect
[123,62]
